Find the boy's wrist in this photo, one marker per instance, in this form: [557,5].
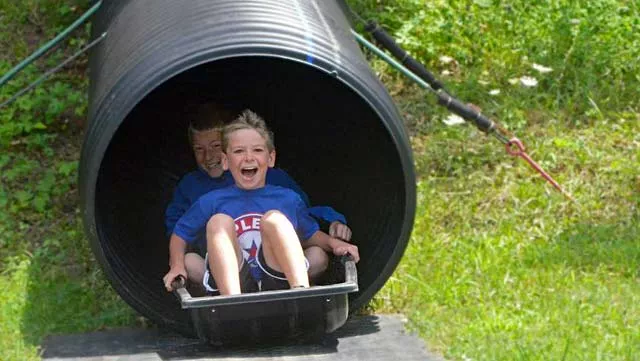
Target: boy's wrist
[177,265]
[334,242]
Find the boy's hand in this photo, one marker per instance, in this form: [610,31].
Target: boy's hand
[171,276]
[340,248]
[339,230]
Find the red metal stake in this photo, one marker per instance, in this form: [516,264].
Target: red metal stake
[519,151]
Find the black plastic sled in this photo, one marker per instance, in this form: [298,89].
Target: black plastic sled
[266,316]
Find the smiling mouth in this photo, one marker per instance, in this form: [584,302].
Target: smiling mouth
[249,172]
[213,165]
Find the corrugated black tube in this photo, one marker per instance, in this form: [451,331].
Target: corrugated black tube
[295,63]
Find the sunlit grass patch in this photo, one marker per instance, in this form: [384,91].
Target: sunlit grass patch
[13,345]
[500,266]
[50,280]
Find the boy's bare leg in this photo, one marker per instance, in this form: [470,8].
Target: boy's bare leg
[318,261]
[224,254]
[194,264]
[282,249]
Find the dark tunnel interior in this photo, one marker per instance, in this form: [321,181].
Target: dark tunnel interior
[328,138]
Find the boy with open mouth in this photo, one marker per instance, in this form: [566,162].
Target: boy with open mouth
[253,229]
[205,138]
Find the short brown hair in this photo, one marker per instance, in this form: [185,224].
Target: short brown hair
[208,116]
[248,120]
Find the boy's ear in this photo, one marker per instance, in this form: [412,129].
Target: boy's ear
[272,158]
[224,161]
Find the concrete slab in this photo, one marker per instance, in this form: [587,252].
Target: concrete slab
[370,338]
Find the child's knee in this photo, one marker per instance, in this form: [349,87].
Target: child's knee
[274,219]
[218,222]
[193,259]
[194,264]
[318,259]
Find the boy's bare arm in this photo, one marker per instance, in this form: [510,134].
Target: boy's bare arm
[177,249]
[333,245]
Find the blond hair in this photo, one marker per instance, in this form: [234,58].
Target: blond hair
[248,120]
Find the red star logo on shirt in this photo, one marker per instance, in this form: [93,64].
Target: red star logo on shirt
[253,251]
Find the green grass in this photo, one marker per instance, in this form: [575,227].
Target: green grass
[499,267]
[55,289]
[49,278]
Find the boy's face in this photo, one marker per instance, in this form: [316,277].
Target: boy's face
[207,148]
[248,158]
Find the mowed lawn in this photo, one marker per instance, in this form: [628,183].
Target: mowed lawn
[500,266]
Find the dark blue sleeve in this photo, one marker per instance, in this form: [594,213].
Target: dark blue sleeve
[278,177]
[327,214]
[307,226]
[193,222]
[176,208]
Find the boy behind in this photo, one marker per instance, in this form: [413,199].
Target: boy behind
[254,218]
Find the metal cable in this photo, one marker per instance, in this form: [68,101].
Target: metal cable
[46,47]
[53,70]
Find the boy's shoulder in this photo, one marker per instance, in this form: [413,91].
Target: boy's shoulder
[219,193]
[201,180]
[233,191]
[190,175]
[274,171]
[190,178]
[282,192]
[278,176]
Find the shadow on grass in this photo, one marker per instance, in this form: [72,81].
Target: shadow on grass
[591,246]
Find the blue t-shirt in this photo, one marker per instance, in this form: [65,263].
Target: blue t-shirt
[246,208]
[194,184]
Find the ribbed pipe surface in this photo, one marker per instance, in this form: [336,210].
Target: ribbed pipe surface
[293,62]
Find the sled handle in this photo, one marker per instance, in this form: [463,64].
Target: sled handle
[350,285]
